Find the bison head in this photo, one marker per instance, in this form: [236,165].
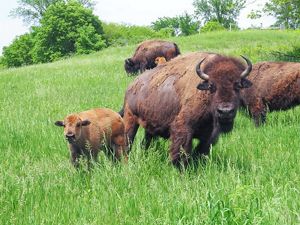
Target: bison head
[223,78]
[72,127]
[131,67]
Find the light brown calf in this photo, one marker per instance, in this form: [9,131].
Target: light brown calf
[88,131]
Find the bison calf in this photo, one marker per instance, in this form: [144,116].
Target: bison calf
[87,131]
[276,86]
[146,53]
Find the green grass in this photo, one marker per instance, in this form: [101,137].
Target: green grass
[251,176]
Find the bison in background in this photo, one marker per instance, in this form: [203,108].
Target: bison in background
[88,131]
[276,86]
[146,53]
[192,96]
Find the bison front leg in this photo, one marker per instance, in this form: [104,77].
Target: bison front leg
[181,146]
[74,154]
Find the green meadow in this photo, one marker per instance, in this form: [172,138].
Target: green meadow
[251,176]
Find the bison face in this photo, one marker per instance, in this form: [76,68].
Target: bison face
[72,127]
[224,86]
[131,67]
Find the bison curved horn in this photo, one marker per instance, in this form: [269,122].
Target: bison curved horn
[248,69]
[200,73]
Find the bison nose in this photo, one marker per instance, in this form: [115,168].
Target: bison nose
[70,135]
[226,112]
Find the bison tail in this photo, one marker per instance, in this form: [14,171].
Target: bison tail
[177,49]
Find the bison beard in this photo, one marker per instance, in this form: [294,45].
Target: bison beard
[167,102]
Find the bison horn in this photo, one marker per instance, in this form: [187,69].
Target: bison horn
[248,69]
[200,73]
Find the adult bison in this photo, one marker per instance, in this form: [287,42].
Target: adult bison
[146,53]
[172,102]
[276,86]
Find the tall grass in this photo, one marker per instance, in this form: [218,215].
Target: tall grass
[251,176]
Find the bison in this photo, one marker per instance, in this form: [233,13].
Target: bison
[146,53]
[172,102]
[276,86]
[87,131]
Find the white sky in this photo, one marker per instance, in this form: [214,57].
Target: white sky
[134,12]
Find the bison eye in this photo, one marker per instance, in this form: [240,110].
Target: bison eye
[237,86]
[78,124]
[212,87]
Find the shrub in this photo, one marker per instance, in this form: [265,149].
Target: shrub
[212,26]
[62,32]
[19,53]
[119,34]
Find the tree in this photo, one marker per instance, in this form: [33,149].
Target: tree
[19,52]
[67,28]
[287,12]
[185,23]
[223,11]
[31,11]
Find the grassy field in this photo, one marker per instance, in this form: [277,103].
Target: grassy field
[251,176]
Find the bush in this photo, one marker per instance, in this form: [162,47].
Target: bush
[19,53]
[212,26]
[118,34]
[66,28]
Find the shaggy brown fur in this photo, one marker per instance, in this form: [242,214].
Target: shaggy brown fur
[160,60]
[167,102]
[87,131]
[146,53]
[276,86]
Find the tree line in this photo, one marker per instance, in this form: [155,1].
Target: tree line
[61,28]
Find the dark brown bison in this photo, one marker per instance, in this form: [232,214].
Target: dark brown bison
[87,131]
[146,53]
[276,86]
[173,102]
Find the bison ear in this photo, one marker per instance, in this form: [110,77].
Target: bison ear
[59,123]
[85,122]
[204,86]
[245,83]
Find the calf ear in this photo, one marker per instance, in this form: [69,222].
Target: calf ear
[203,86]
[59,123]
[245,83]
[85,122]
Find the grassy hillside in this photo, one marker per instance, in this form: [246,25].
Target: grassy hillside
[251,176]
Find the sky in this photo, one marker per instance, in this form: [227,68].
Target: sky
[133,12]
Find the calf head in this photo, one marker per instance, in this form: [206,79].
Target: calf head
[72,127]
[131,67]
[223,78]
[160,60]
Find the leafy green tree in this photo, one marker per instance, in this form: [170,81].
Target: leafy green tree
[223,11]
[62,32]
[287,12]
[185,23]
[31,11]
[165,22]
[19,53]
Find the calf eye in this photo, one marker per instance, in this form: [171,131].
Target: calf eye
[78,124]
